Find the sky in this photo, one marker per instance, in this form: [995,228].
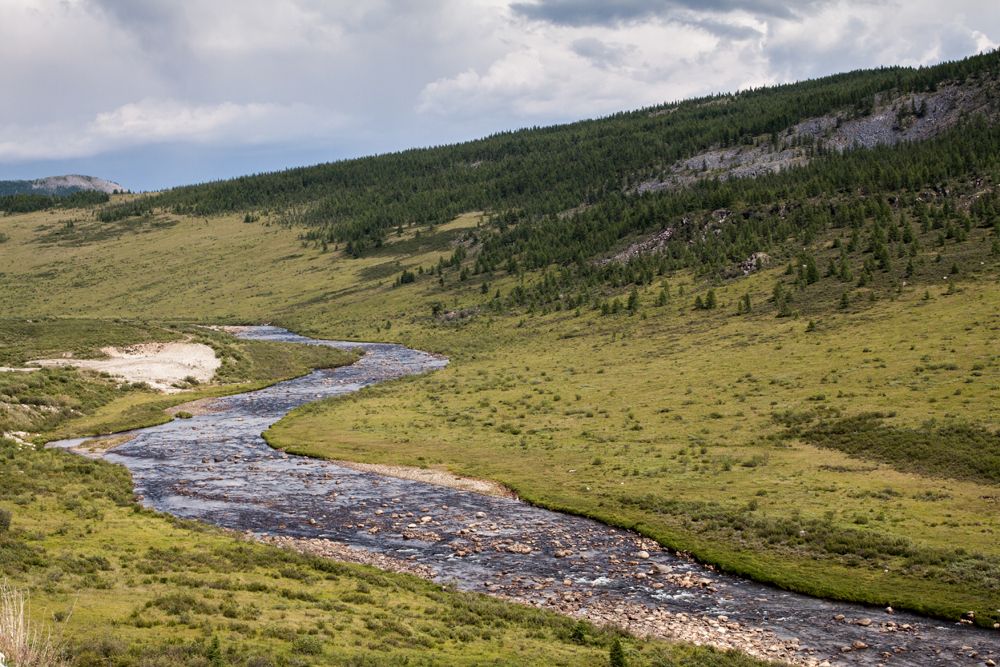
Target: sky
[157,93]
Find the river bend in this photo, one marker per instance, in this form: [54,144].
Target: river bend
[216,468]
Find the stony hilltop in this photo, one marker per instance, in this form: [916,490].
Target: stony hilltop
[59,185]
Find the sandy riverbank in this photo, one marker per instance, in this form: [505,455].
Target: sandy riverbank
[160,365]
[433,476]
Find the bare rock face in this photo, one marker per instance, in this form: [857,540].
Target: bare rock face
[754,263]
[904,118]
[76,182]
[891,120]
[646,246]
[60,185]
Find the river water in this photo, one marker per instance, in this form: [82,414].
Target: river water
[217,468]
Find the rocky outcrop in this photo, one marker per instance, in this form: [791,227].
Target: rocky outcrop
[646,246]
[59,185]
[893,120]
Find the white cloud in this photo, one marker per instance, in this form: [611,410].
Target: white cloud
[154,121]
[559,72]
[983,42]
[577,67]
[169,120]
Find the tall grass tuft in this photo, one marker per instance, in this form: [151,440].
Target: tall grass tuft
[21,644]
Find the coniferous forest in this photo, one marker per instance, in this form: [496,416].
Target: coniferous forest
[529,179]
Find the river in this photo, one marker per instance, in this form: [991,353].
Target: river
[216,468]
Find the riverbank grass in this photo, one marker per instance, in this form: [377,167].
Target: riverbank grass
[683,424]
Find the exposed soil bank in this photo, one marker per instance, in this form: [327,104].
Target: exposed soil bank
[160,365]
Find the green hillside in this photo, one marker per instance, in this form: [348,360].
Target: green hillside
[526,175]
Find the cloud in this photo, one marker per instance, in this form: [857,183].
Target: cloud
[609,12]
[169,120]
[578,58]
[601,53]
[726,30]
[567,73]
[865,34]
[153,121]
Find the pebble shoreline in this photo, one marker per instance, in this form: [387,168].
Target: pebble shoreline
[637,620]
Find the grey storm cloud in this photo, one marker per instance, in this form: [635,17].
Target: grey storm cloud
[604,12]
[599,52]
[723,29]
[146,13]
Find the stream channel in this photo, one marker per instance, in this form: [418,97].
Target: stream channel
[217,468]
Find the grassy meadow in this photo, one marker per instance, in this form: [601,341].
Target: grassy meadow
[119,585]
[676,425]
[722,433]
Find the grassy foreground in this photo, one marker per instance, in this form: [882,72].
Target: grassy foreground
[124,586]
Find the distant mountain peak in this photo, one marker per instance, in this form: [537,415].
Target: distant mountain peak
[59,185]
[75,182]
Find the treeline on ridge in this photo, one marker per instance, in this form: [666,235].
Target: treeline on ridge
[536,173]
[29,203]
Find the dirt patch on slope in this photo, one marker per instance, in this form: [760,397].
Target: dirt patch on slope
[160,365]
